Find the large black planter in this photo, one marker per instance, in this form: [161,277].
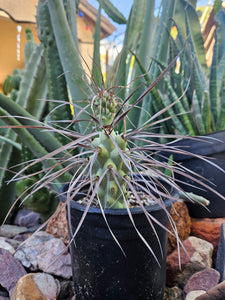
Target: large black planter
[100,269]
[214,149]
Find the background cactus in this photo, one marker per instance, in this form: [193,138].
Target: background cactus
[24,87]
[57,88]
[200,109]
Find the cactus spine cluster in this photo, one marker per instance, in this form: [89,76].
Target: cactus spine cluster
[110,165]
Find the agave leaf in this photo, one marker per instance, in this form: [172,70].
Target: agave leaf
[220,73]
[206,113]
[147,82]
[213,89]
[184,9]
[120,67]
[187,127]
[28,139]
[137,16]
[10,141]
[38,92]
[160,38]
[160,52]
[176,123]
[8,190]
[195,59]
[145,50]
[195,30]
[44,137]
[161,41]
[6,149]
[30,74]
[34,73]
[220,32]
[198,115]
[132,36]
[221,120]
[143,57]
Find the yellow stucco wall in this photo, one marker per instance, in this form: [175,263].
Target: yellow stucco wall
[8,48]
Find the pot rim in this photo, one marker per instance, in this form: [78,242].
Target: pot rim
[208,144]
[115,211]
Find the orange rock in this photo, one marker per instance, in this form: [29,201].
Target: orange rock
[207,229]
[57,225]
[36,286]
[182,220]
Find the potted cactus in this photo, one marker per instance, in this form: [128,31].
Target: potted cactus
[117,194]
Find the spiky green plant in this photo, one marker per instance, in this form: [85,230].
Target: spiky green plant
[109,146]
[112,135]
[200,110]
[24,87]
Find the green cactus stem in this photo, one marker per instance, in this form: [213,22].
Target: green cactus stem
[109,146]
[57,87]
[104,106]
[29,46]
[111,192]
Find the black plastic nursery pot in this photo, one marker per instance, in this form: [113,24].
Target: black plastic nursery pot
[100,269]
[214,150]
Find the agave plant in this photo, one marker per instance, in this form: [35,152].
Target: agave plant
[201,108]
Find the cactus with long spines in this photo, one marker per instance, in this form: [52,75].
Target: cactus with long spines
[110,146]
[103,159]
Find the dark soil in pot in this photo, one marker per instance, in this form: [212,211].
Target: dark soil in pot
[214,149]
[100,269]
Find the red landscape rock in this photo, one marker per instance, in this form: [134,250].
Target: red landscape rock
[10,270]
[197,256]
[215,293]
[207,229]
[203,280]
[182,220]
